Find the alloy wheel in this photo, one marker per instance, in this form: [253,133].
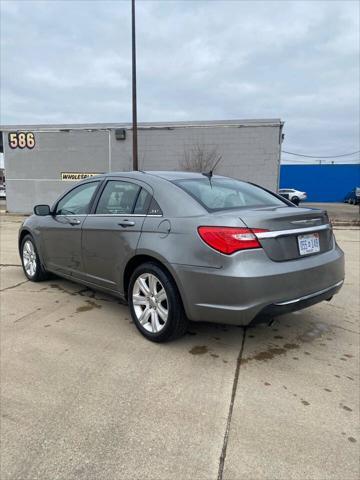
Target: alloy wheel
[150,302]
[29,258]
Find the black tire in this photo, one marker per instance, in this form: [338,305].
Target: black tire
[295,200]
[40,273]
[176,324]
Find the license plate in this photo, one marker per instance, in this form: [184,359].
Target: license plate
[309,243]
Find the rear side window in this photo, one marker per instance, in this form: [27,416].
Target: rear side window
[154,208]
[142,202]
[118,197]
[227,193]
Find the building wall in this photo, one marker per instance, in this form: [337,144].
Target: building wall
[247,152]
[322,183]
[34,176]
[250,152]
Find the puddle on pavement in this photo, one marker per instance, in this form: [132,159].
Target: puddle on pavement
[270,353]
[199,350]
[55,286]
[315,332]
[90,306]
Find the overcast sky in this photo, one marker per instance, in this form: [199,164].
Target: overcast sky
[70,61]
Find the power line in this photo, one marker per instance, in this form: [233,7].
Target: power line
[313,156]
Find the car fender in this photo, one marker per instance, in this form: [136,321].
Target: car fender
[170,267]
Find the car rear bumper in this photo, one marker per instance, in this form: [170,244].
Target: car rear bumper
[293,305]
[251,285]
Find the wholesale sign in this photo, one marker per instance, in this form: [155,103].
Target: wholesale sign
[76,176]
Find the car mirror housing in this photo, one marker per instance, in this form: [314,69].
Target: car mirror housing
[42,210]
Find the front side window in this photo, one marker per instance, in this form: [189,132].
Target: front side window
[227,193]
[118,197]
[78,200]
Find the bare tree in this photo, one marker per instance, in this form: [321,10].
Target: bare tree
[200,158]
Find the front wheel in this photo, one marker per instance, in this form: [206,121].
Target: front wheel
[155,304]
[32,267]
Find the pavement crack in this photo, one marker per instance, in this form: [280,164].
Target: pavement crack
[14,286]
[231,407]
[346,329]
[27,315]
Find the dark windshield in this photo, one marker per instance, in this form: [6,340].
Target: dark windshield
[227,193]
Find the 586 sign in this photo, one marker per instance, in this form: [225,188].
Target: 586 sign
[21,140]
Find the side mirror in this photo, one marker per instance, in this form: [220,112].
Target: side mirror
[42,210]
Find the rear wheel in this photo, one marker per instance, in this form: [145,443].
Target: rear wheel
[295,200]
[32,267]
[155,304]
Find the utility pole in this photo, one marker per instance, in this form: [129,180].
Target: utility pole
[134,106]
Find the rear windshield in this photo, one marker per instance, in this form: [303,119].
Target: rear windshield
[227,193]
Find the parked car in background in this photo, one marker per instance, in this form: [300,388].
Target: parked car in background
[2,191]
[295,196]
[353,197]
[181,245]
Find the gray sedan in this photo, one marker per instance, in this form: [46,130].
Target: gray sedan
[185,246]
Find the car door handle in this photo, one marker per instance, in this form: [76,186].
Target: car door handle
[126,223]
[74,221]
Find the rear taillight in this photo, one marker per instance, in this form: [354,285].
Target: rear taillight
[230,239]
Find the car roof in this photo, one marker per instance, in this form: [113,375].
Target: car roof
[168,175]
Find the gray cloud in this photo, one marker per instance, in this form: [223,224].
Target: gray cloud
[69,61]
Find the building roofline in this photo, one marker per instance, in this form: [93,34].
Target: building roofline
[146,125]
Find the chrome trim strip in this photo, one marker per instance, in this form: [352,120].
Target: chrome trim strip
[108,215]
[121,215]
[294,231]
[308,220]
[306,297]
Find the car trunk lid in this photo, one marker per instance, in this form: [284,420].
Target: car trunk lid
[285,225]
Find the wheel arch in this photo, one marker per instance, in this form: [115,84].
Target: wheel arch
[141,258]
[22,234]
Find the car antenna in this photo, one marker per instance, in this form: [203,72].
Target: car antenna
[210,173]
